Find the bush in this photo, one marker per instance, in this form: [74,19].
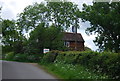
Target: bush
[26,58]
[50,56]
[33,58]
[9,56]
[106,62]
[20,57]
[112,64]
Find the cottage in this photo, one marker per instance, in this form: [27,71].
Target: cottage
[73,41]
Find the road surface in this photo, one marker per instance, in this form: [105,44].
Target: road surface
[17,70]
[0,70]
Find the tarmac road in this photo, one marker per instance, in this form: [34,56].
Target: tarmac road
[17,70]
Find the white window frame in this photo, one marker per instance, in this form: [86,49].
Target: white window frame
[67,44]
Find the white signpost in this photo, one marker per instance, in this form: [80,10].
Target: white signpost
[46,50]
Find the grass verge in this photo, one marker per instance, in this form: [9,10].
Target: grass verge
[69,71]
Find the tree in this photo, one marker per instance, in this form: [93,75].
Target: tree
[61,14]
[11,39]
[0,23]
[8,32]
[0,34]
[54,38]
[44,37]
[104,19]
[37,39]
[32,16]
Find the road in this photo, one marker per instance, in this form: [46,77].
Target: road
[17,70]
[0,70]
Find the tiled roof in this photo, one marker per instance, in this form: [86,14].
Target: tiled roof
[72,36]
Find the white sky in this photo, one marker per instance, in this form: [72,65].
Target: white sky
[11,8]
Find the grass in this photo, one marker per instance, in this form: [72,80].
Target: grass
[69,71]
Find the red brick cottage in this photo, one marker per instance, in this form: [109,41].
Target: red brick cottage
[69,41]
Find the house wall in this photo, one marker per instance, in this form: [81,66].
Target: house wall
[80,46]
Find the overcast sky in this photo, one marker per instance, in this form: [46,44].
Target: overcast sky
[11,8]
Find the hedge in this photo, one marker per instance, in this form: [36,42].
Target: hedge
[22,57]
[9,56]
[106,62]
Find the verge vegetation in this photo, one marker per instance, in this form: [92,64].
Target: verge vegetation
[106,63]
[75,64]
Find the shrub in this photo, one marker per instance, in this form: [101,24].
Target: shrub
[33,58]
[50,56]
[9,56]
[70,58]
[20,57]
[112,64]
[106,62]
[26,58]
[60,57]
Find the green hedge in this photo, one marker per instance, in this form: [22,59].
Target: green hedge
[50,56]
[26,58]
[9,56]
[106,62]
[22,57]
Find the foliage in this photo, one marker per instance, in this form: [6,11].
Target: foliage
[45,37]
[54,37]
[87,48]
[0,23]
[37,39]
[70,72]
[105,63]
[46,58]
[61,14]
[9,56]
[33,58]
[26,58]
[11,39]
[104,20]
[44,23]
[8,32]
[22,57]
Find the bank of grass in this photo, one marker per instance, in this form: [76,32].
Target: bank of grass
[70,71]
[106,63]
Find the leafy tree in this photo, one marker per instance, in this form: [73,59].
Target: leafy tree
[11,39]
[54,38]
[0,35]
[32,16]
[44,37]
[61,14]
[0,23]
[105,21]
[37,39]
[8,32]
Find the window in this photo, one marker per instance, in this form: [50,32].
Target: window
[67,44]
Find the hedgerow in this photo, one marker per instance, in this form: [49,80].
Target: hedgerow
[22,57]
[105,62]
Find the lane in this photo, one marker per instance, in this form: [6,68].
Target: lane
[17,70]
[0,70]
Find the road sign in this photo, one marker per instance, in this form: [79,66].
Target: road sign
[46,50]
